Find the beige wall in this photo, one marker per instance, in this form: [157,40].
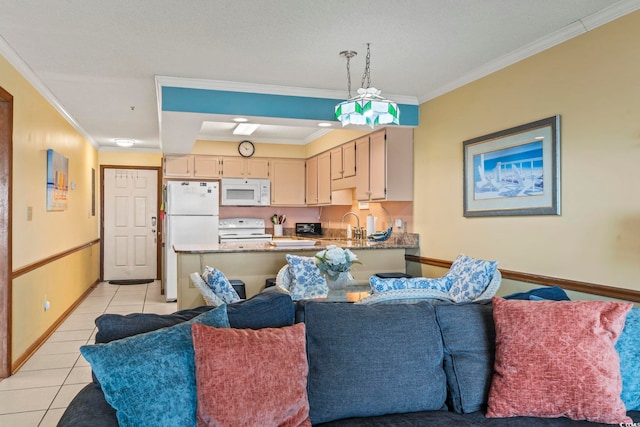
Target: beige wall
[226,148]
[129,158]
[37,126]
[592,83]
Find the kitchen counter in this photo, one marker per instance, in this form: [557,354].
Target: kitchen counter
[254,262]
[409,241]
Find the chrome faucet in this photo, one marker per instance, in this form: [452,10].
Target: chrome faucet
[357,220]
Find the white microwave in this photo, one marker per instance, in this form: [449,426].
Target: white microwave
[245,192]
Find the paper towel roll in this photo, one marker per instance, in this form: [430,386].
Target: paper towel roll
[371,224]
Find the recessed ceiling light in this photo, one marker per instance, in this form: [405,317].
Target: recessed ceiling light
[124,142]
[245,128]
[240,120]
[324,124]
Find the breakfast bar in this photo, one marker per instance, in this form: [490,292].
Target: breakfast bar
[255,262]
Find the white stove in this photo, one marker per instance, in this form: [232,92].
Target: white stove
[241,230]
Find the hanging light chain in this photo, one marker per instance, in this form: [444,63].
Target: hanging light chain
[367,70]
[348,54]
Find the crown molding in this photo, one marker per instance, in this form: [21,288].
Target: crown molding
[30,76]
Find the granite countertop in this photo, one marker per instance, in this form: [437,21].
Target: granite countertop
[287,243]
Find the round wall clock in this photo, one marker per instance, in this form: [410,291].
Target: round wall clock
[246,149]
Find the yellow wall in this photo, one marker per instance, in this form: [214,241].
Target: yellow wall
[592,82]
[227,148]
[129,158]
[37,126]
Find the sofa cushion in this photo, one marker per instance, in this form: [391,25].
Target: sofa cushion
[267,309]
[628,347]
[468,336]
[220,285]
[149,379]
[368,360]
[236,388]
[554,293]
[471,277]
[558,358]
[308,280]
[442,284]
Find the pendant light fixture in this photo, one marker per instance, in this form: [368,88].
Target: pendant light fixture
[368,107]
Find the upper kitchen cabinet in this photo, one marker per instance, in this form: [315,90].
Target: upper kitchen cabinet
[178,166]
[324,178]
[343,166]
[311,176]
[384,161]
[207,167]
[287,182]
[240,167]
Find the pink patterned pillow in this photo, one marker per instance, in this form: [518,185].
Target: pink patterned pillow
[237,382]
[558,358]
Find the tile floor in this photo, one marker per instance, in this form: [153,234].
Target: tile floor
[39,392]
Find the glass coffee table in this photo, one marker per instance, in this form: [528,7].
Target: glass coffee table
[351,293]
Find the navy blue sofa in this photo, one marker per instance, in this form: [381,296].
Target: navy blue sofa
[376,365]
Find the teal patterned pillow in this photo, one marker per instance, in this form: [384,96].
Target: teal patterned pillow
[149,379]
[308,280]
[471,277]
[220,285]
[442,284]
[627,346]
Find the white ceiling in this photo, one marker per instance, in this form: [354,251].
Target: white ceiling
[97,60]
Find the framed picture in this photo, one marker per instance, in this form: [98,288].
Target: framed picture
[57,181]
[514,172]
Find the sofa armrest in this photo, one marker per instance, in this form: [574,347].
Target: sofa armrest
[89,408]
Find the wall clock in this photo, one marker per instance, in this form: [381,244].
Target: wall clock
[246,149]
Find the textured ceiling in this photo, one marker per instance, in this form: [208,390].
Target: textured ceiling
[97,59]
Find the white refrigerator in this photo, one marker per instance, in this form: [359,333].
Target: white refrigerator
[191,217]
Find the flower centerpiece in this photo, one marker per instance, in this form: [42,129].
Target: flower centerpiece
[335,262]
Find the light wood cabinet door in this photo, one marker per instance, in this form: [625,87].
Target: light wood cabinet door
[377,166]
[349,159]
[257,168]
[233,167]
[287,182]
[206,167]
[362,164]
[178,166]
[324,178]
[311,171]
[336,163]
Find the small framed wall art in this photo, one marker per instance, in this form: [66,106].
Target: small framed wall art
[513,172]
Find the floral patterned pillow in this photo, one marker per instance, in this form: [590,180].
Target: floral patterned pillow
[220,285]
[382,285]
[308,281]
[471,277]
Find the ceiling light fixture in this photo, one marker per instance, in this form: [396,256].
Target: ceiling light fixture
[124,142]
[324,124]
[368,107]
[245,129]
[240,120]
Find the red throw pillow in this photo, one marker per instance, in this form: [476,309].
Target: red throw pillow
[251,377]
[558,358]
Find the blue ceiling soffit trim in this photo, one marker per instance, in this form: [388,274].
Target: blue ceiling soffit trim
[189,100]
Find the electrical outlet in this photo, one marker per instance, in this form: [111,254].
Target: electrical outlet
[399,223]
[29,213]
[47,304]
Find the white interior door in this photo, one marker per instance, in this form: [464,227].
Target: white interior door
[130,224]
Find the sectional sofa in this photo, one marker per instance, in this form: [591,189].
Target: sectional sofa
[269,361]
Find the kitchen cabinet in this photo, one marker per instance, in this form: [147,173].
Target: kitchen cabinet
[343,166]
[240,167]
[324,178]
[311,172]
[384,162]
[207,167]
[179,166]
[287,182]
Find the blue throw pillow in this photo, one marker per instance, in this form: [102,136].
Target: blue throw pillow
[149,379]
[220,285]
[369,360]
[628,347]
[468,335]
[471,277]
[553,293]
[308,280]
[442,284]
